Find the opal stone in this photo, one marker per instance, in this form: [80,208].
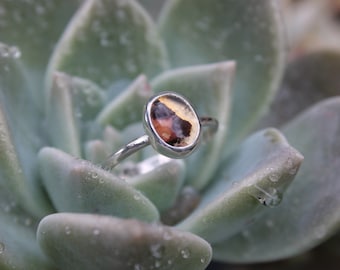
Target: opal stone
[174,121]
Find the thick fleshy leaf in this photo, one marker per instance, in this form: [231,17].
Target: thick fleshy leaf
[22,132]
[13,185]
[254,176]
[18,246]
[159,178]
[108,41]
[307,80]
[79,186]
[83,241]
[72,102]
[34,27]
[63,130]
[247,31]
[310,212]
[127,108]
[208,89]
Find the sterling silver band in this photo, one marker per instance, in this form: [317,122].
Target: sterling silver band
[143,141]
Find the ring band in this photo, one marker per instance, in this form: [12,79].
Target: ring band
[172,127]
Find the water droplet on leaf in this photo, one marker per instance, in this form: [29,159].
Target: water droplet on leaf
[157,264]
[156,250]
[137,267]
[268,196]
[167,235]
[67,230]
[2,247]
[9,51]
[185,253]
[274,177]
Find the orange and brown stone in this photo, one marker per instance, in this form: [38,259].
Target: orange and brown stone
[173,122]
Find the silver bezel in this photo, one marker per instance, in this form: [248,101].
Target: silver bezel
[157,142]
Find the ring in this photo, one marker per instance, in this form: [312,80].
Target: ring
[172,128]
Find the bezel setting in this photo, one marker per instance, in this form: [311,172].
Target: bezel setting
[171,112]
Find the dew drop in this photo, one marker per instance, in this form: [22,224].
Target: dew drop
[157,264]
[274,177]
[202,260]
[137,267]
[267,196]
[235,184]
[2,248]
[156,250]
[185,253]
[96,232]
[136,197]
[9,51]
[167,236]
[14,52]
[40,10]
[94,175]
[291,167]
[320,232]
[67,230]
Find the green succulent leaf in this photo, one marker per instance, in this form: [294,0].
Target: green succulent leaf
[13,187]
[121,34]
[159,178]
[18,246]
[247,31]
[310,212]
[254,176]
[21,136]
[34,27]
[72,103]
[63,129]
[307,80]
[83,241]
[127,108]
[96,151]
[79,186]
[208,87]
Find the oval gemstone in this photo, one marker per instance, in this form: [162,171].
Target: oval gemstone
[174,121]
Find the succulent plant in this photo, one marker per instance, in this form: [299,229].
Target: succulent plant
[74,78]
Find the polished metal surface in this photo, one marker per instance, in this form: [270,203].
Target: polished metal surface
[154,139]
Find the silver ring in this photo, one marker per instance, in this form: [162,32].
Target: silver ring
[172,128]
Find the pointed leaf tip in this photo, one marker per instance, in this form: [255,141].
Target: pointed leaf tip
[256,174]
[122,36]
[310,211]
